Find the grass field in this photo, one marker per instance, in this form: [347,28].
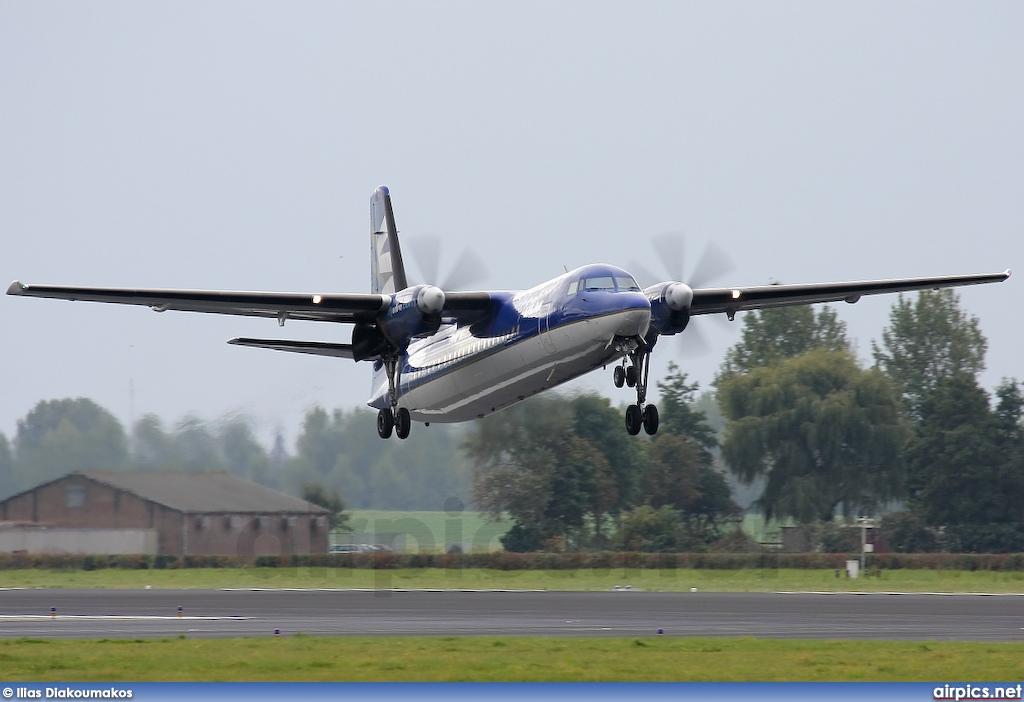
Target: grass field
[305,658]
[681,580]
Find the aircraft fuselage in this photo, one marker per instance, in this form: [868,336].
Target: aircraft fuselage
[536,339]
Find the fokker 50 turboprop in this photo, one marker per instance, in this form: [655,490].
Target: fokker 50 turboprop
[442,356]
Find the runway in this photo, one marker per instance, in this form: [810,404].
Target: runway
[230,613]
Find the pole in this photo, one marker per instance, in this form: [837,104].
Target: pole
[863,540]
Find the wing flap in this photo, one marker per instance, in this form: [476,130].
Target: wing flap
[316,348]
[344,307]
[731,300]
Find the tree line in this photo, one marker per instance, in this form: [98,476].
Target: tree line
[913,438]
[336,452]
[569,477]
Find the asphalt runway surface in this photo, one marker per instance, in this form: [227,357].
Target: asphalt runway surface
[242,613]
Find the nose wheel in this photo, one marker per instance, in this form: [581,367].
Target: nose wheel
[640,415]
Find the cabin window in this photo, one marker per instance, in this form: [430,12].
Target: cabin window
[573,286]
[626,283]
[603,282]
[74,495]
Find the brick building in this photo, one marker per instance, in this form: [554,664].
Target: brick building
[190,513]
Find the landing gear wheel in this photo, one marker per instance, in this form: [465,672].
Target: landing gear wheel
[385,423]
[633,420]
[619,376]
[631,377]
[403,423]
[651,419]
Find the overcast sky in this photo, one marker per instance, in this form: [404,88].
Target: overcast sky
[235,145]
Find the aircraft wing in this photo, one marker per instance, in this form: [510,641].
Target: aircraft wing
[732,300]
[466,307]
[344,307]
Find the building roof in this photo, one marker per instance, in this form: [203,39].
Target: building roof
[202,492]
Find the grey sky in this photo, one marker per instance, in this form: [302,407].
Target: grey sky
[235,145]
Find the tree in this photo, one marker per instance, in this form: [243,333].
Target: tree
[680,472]
[679,475]
[824,432]
[340,449]
[544,464]
[679,415]
[965,459]
[773,334]
[61,436]
[927,341]
[7,476]
[595,420]
[243,454]
[652,530]
[330,500]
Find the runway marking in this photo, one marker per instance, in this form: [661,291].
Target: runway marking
[115,617]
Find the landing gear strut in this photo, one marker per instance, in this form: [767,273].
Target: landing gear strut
[635,375]
[394,418]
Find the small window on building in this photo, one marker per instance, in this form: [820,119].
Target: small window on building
[75,495]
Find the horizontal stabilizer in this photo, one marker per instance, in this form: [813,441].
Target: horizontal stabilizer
[317,348]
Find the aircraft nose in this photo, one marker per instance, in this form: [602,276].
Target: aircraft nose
[633,323]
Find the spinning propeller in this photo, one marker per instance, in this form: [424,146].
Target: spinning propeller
[469,268]
[713,264]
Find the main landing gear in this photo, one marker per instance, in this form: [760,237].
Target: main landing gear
[635,375]
[394,418]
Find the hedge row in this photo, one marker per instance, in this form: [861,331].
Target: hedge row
[527,561]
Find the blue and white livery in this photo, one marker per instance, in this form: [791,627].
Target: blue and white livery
[449,356]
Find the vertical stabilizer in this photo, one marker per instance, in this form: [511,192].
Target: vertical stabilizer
[387,272]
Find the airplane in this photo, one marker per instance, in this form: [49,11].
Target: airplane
[449,356]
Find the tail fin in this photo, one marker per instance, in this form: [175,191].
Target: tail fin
[387,271]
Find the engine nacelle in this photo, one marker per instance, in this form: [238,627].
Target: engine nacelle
[670,306]
[414,312]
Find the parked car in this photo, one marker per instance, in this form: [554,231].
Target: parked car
[348,548]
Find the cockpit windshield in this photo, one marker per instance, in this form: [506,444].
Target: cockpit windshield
[608,283]
[601,282]
[626,283]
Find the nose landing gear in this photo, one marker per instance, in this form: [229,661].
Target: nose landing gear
[635,375]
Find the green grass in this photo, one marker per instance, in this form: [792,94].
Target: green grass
[430,531]
[309,658]
[474,578]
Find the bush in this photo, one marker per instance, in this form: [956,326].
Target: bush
[906,532]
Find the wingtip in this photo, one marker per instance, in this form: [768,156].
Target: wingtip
[16,288]
[1007,273]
